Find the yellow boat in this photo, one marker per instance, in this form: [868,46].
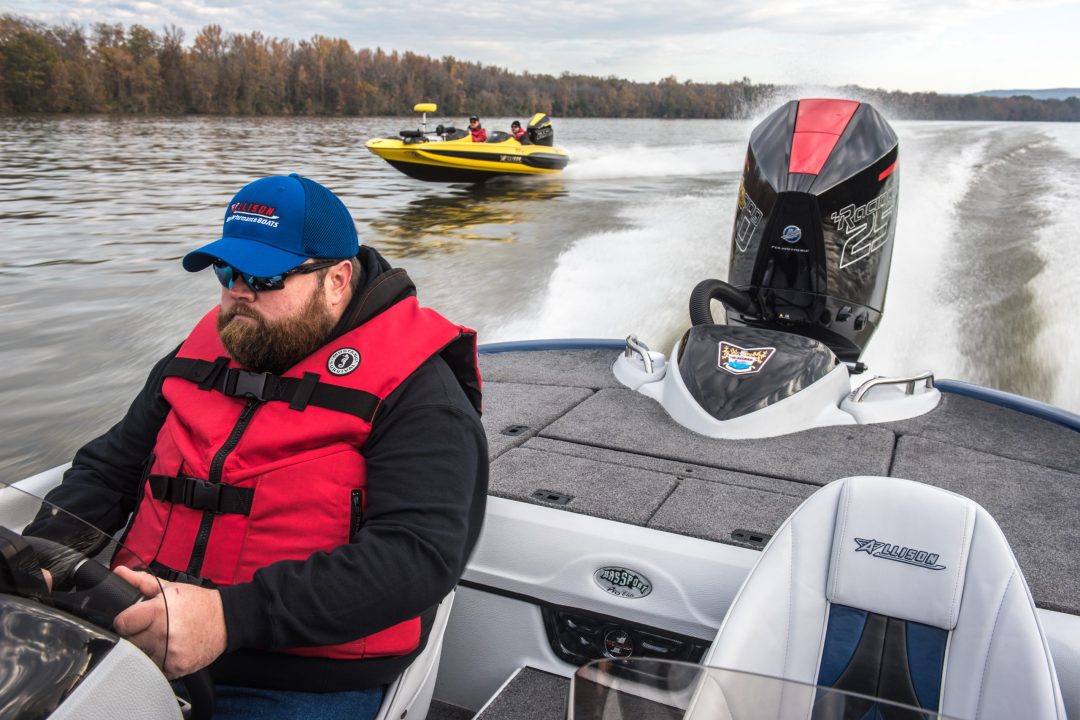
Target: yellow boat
[450,155]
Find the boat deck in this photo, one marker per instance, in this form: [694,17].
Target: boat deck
[563,433]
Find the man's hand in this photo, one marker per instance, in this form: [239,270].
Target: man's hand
[195,627]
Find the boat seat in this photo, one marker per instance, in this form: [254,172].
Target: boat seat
[410,695]
[894,589]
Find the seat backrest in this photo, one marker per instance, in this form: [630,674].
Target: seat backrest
[410,695]
[896,589]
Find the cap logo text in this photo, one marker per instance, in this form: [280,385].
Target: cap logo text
[252,213]
[254,209]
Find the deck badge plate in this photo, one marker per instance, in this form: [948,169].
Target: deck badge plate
[622,582]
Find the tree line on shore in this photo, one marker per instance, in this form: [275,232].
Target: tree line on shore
[110,69]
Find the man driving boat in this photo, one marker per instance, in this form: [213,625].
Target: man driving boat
[307,471]
[479,134]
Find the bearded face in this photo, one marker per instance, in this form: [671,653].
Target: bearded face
[275,346]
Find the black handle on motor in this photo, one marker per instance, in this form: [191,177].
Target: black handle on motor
[708,290]
[96,592]
[112,594]
[88,588]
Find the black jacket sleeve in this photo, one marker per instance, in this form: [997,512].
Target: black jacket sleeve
[102,485]
[427,474]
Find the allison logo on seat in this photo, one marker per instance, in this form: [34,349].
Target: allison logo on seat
[906,555]
[622,582]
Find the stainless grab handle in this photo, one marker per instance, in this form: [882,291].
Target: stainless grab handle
[908,381]
[633,345]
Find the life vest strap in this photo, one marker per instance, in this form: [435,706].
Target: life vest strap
[298,392]
[164,572]
[201,495]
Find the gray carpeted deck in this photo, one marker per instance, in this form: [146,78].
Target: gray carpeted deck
[532,695]
[560,422]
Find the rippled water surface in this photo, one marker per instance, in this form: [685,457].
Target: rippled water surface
[95,214]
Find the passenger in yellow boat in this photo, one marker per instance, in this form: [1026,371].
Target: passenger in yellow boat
[479,134]
[519,133]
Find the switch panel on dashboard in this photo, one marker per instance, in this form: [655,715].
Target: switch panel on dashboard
[578,637]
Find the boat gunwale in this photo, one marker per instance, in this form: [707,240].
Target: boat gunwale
[1028,406]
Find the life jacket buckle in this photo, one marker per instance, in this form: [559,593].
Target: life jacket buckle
[202,495]
[244,383]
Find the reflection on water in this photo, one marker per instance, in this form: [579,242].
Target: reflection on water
[97,211]
[442,220]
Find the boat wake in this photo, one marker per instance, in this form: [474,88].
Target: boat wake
[620,161]
[611,284]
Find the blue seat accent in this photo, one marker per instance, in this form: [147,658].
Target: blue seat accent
[841,639]
[926,658]
[880,656]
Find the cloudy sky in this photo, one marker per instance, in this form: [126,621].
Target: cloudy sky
[946,46]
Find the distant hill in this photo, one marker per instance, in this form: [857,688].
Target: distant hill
[1047,94]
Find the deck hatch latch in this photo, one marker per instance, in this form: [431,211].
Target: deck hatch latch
[550,496]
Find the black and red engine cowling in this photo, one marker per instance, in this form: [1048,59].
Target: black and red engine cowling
[813,237]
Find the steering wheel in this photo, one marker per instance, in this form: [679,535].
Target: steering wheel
[91,590]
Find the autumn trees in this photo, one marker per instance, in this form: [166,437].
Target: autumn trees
[108,69]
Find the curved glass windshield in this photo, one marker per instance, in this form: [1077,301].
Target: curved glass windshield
[645,689]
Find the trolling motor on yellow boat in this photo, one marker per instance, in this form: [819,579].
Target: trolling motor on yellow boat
[450,155]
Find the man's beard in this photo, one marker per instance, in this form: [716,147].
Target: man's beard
[274,347]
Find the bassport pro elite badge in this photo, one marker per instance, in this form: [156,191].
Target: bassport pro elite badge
[743,361]
[622,582]
[343,361]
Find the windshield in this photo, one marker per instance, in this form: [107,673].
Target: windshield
[645,689]
[60,562]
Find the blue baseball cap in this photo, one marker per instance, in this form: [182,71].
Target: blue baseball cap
[276,223]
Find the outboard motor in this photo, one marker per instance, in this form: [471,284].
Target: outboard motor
[540,131]
[810,257]
[812,242]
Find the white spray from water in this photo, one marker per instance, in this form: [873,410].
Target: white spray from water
[917,331]
[1057,287]
[610,162]
[612,284]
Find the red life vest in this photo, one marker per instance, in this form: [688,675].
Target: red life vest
[237,483]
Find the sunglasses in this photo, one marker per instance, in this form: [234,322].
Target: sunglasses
[227,275]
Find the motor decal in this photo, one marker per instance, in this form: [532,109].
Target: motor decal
[792,234]
[906,555]
[343,361]
[743,361]
[865,227]
[622,582]
[747,219]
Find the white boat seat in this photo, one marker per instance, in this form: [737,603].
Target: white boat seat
[895,589]
[410,695]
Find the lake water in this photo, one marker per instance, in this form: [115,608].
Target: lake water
[95,214]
